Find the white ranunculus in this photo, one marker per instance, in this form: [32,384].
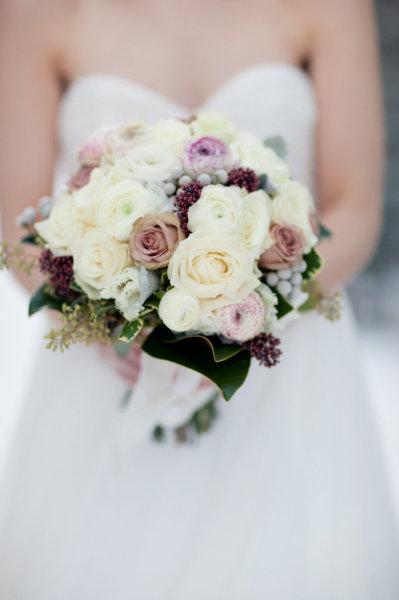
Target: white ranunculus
[216,268]
[88,198]
[122,204]
[62,227]
[215,124]
[171,133]
[130,289]
[293,205]
[270,301]
[255,222]
[121,139]
[98,258]
[263,160]
[179,310]
[149,162]
[218,209]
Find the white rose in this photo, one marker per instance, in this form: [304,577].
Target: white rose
[293,205]
[172,133]
[98,258]
[263,160]
[62,227]
[179,310]
[215,267]
[130,289]
[255,222]
[149,162]
[122,204]
[270,301]
[215,124]
[218,209]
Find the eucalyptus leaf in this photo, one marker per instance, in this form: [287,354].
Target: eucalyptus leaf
[122,348]
[324,232]
[195,352]
[41,299]
[131,330]
[277,143]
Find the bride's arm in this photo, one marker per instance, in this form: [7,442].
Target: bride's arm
[344,65]
[29,94]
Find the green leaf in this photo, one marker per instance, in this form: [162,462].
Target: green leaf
[197,352]
[76,287]
[152,303]
[42,298]
[313,262]
[324,232]
[220,350]
[131,330]
[263,181]
[309,304]
[277,143]
[283,306]
[31,239]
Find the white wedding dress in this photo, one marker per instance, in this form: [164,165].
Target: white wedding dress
[285,498]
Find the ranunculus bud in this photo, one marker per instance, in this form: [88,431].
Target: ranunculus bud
[288,247]
[206,154]
[80,178]
[154,239]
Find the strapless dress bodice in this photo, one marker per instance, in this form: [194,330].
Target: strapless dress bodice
[267,99]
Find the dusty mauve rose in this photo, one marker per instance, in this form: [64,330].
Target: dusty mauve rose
[80,178]
[154,239]
[289,243]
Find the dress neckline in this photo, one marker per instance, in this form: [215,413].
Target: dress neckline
[126,82]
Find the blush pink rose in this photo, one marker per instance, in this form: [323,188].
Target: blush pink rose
[287,250]
[154,239]
[80,178]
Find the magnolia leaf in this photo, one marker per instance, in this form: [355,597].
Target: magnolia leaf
[42,298]
[220,350]
[196,353]
[277,143]
[131,330]
[313,262]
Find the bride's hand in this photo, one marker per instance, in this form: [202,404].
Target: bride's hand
[129,367]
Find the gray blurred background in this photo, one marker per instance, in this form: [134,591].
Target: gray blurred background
[375,294]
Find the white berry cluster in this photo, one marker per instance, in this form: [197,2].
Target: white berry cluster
[287,281]
[179,179]
[30,214]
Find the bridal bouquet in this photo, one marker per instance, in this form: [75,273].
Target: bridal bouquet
[190,237]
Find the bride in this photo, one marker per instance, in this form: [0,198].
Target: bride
[285,498]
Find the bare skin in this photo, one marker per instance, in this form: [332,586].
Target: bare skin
[186,49]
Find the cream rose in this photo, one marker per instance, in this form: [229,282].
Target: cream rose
[172,133]
[98,258]
[255,222]
[130,289]
[121,139]
[63,227]
[214,267]
[88,198]
[218,209]
[179,310]
[122,204]
[215,124]
[293,205]
[252,153]
[149,162]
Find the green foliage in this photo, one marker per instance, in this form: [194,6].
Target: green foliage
[313,262]
[277,143]
[199,353]
[78,325]
[44,297]
[32,239]
[131,330]
[324,232]
[283,306]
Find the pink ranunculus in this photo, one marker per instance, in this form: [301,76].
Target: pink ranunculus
[287,250]
[154,239]
[243,321]
[80,178]
[206,154]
